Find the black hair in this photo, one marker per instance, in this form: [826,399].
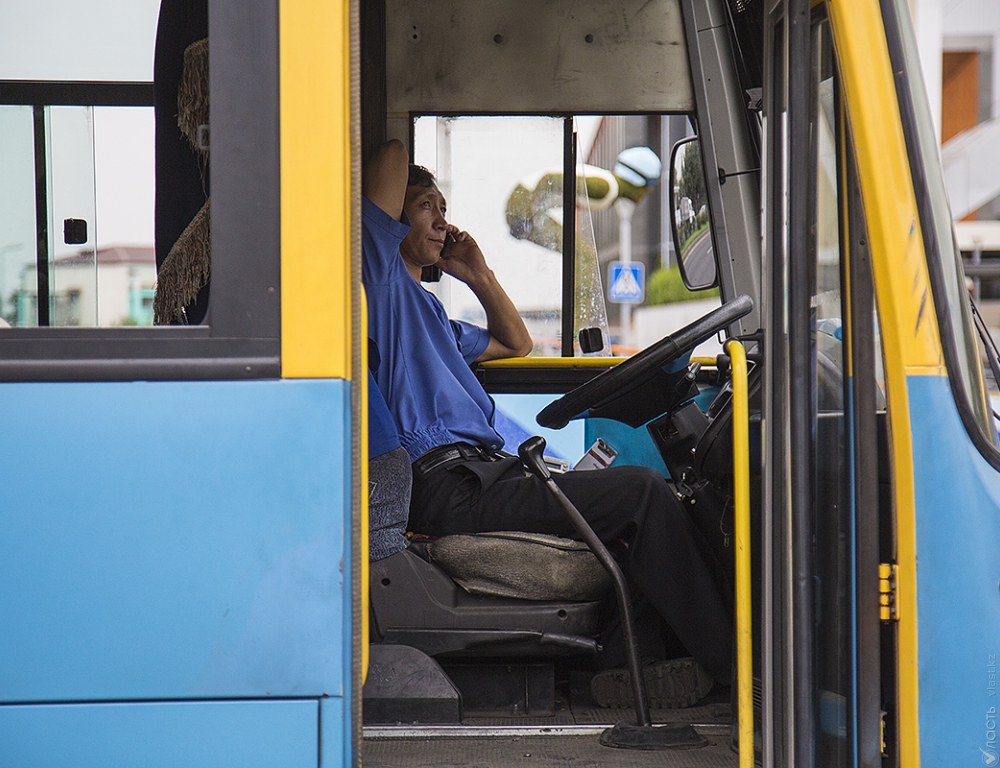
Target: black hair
[420,176]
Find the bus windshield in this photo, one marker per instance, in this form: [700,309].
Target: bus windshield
[944,259]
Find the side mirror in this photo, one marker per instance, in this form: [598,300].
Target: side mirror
[691,226]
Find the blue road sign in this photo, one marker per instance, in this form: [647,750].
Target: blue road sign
[626,282]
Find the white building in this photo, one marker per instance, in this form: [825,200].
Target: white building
[116,288]
[959,42]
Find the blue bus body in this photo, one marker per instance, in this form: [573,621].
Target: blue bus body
[176,567]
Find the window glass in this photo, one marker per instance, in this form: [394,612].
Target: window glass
[70,176]
[17,207]
[78,40]
[830,413]
[965,364]
[503,178]
[87,215]
[57,142]
[124,184]
[479,162]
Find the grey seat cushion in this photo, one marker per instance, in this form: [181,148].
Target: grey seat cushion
[529,566]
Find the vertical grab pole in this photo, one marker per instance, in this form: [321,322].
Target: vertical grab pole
[363,594]
[741,500]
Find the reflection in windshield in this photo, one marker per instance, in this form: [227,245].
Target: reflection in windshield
[534,213]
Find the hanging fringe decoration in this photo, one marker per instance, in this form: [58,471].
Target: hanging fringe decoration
[185,271]
[188,266]
[192,94]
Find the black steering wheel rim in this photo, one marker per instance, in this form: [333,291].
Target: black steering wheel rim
[632,372]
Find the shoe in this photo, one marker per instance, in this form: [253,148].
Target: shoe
[669,685]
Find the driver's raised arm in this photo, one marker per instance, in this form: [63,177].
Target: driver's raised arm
[384,181]
[464,260]
[385,184]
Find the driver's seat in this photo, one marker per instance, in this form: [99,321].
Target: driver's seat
[526,599]
[490,594]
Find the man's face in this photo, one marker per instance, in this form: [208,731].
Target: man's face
[425,207]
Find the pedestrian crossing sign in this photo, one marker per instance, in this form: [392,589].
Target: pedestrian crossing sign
[626,282]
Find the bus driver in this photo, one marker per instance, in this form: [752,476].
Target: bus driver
[445,422]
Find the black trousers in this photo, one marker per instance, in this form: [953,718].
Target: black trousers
[667,556]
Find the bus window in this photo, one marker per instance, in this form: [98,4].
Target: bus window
[503,178]
[96,160]
[88,157]
[478,162]
[943,257]
[85,179]
[92,159]
[834,673]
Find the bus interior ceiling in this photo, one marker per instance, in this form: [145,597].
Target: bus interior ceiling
[508,57]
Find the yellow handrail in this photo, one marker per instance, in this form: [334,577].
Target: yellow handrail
[741,501]
[363,594]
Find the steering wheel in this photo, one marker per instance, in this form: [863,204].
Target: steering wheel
[624,377]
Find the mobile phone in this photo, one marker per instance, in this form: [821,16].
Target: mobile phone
[449,238]
[432,273]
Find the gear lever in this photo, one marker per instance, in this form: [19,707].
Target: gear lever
[643,735]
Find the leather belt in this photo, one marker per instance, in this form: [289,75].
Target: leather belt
[448,454]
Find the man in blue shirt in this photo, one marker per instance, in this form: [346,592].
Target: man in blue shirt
[425,375]
[445,423]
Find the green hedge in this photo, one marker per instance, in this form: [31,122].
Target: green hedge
[666,287]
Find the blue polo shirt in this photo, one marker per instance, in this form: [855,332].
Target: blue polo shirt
[382,436]
[431,391]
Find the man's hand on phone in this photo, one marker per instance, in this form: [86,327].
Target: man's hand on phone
[461,256]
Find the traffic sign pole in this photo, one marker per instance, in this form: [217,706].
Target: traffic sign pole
[625,208]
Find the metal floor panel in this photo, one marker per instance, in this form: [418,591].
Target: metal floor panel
[584,751]
[706,714]
[568,737]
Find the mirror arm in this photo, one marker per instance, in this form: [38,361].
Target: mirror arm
[723,175]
